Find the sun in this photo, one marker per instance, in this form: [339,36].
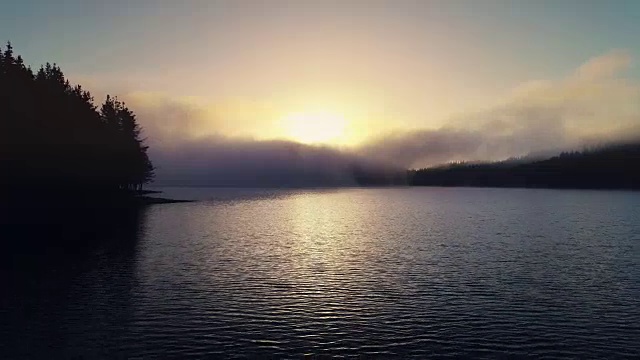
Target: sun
[317,127]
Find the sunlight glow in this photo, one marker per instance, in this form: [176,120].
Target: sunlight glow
[317,127]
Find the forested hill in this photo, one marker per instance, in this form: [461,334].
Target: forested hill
[54,139]
[611,167]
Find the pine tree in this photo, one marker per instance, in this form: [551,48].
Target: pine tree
[53,136]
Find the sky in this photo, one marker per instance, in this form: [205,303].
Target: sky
[414,82]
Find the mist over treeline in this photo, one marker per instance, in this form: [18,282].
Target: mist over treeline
[54,137]
[593,105]
[53,134]
[613,166]
[276,163]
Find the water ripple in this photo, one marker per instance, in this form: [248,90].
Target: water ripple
[383,273]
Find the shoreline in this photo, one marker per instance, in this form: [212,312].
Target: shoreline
[149,200]
[72,212]
[20,202]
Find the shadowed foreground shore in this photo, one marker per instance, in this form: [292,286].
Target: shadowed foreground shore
[48,207]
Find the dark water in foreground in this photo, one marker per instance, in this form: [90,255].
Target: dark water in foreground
[389,273]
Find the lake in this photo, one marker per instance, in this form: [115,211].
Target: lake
[383,273]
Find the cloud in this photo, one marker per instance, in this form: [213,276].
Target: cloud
[170,121]
[193,142]
[605,66]
[409,148]
[189,146]
[591,105]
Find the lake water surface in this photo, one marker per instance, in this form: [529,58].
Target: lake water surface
[385,273]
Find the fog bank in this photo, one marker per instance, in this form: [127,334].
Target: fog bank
[594,104]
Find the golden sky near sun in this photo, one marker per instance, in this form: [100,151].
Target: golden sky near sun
[341,72]
[335,118]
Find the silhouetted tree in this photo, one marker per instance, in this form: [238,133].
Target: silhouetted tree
[53,137]
[611,167]
[128,149]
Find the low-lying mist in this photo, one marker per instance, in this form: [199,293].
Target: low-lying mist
[593,105]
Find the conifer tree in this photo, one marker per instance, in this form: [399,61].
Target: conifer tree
[53,136]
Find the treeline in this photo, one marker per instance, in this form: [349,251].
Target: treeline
[54,138]
[372,175]
[610,167]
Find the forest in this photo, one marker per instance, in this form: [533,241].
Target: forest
[54,139]
[615,166]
